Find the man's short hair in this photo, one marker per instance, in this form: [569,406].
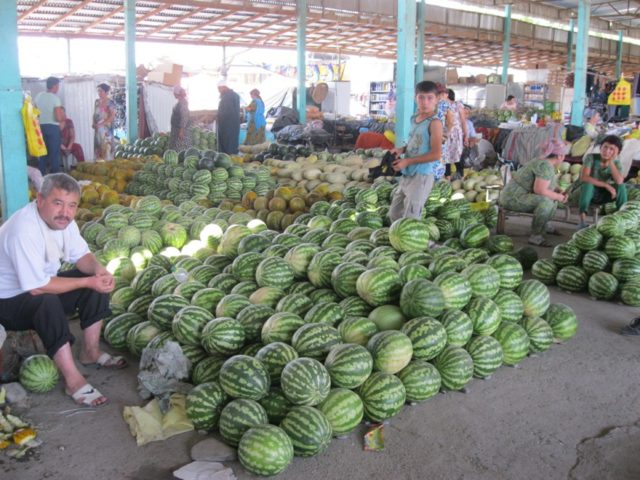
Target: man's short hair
[613,140]
[61,181]
[52,82]
[510,97]
[426,86]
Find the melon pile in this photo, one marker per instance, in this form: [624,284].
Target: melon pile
[474,186]
[297,336]
[603,259]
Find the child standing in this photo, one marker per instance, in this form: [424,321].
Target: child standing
[419,157]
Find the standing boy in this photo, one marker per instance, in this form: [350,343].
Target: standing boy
[417,161]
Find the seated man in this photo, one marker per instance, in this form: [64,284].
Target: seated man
[34,295]
[601,180]
[68,145]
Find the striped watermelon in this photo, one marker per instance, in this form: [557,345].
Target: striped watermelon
[207,298]
[324,295]
[391,351]
[194,354]
[409,235]
[305,381]
[274,272]
[188,323]
[383,396]
[630,293]
[421,298]
[344,278]
[562,320]
[447,263]
[355,307]
[122,297]
[139,336]
[387,317]
[620,247]
[208,369]
[474,236]
[383,262]
[626,269]
[203,273]
[500,244]
[545,271]
[242,376]
[428,337]
[458,326]
[535,298]
[508,268]
[265,450]
[230,305]
[276,405]
[484,280]
[572,278]
[222,335]
[140,306]
[354,256]
[357,330]
[314,340]
[611,226]
[321,267]
[274,357]
[38,373]
[244,266]
[143,281]
[252,318]
[474,255]
[344,411]
[305,288]
[379,286]
[238,416]
[173,235]
[566,254]
[204,404]
[412,272]
[294,303]
[455,366]
[327,312]
[510,305]
[587,239]
[309,430]
[349,365]
[487,356]
[539,332]
[485,315]
[596,261]
[421,380]
[514,341]
[455,289]
[115,333]
[280,327]
[269,296]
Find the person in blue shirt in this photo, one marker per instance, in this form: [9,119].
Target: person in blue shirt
[256,122]
[418,159]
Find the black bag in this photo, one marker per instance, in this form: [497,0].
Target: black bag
[385,168]
[574,133]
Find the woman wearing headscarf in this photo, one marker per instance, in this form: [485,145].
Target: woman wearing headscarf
[532,189]
[457,136]
[180,138]
[256,122]
[103,115]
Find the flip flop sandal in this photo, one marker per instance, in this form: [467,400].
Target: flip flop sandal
[108,361]
[87,395]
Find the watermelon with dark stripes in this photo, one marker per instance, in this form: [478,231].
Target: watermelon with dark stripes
[238,416]
[421,380]
[305,381]
[486,353]
[309,430]
[514,341]
[204,404]
[383,396]
[344,411]
[242,376]
[265,450]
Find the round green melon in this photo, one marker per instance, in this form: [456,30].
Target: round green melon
[343,409]
[421,380]
[487,356]
[514,341]
[305,381]
[562,320]
[383,396]
[39,373]
[265,450]
[238,416]
[349,365]
[309,430]
[242,376]
[391,351]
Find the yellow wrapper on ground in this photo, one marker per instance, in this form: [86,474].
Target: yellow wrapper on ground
[148,424]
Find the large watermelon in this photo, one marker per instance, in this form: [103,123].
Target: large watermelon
[535,297]
[305,381]
[391,351]
[421,298]
[242,376]
[409,235]
[421,380]
[344,411]
[349,365]
[562,320]
[455,366]
[379,286]
[265,450]
[309,430]
[204,404]
[514,341]
[383,396]
[428,337]
[38,373]
[487,356]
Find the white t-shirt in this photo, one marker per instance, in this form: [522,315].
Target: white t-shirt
[23,265]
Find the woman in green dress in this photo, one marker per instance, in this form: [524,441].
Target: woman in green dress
[601,180]
[532,189]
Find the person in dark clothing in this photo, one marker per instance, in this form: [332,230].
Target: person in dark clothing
[228,119]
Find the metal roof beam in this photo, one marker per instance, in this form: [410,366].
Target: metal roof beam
[174,21]
[69,13]
[32,9]
[114,12]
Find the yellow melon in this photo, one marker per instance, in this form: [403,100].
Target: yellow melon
[277,204]
[297,204]
[260,203]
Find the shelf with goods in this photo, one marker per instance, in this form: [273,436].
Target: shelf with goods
[378,96]
[535,94]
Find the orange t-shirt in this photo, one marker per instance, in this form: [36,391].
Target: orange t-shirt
[373,140]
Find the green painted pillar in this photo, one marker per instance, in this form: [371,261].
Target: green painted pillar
[130,78]
[405,73]
[419,76]
[619,56]
[582,53]
[302,65]
[13,158]
[570,44]
[506,44]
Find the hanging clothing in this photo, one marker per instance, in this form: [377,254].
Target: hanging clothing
[180,120]
[103,143]
[455,139]
[228,122]
[256,123]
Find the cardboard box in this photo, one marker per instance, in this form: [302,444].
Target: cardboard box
[168,74]
[451,76]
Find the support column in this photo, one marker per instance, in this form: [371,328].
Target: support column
[619,57]
[419,76]
[506,44]
[572,26]
[302,66]
[13,160]
[582,53]
[404,69]
[131,81]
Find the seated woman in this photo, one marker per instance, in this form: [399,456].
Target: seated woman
[601,180]
[68,145]
[532,190]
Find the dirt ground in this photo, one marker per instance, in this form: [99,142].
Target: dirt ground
[573,412]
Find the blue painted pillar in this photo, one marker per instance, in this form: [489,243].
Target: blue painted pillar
[302,66]
[13,159]
[405,73]
[582,52]
[619,57]
[131,81]
[506,44]
[572,26]
[420,43]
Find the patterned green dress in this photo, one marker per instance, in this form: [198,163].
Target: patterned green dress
[518,195]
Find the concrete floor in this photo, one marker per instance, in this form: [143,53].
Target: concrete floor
[571,413]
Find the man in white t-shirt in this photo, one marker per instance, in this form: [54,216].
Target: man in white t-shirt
[34,295]
[51,116]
